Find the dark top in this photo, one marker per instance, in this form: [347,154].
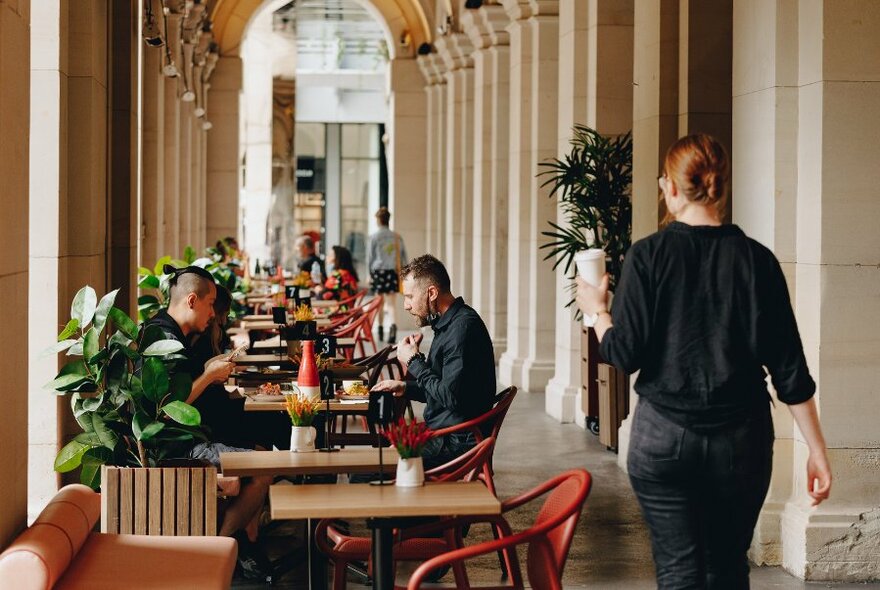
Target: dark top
[172,330]
[700,311]
[458,380]
[306,266]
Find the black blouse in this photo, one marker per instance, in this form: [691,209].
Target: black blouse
[700,312]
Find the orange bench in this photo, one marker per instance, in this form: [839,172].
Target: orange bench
[60,551]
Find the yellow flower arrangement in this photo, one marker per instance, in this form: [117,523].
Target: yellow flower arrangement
[303,280]
[303,313]
[301,409]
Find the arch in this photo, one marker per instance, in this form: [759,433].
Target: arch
[397,17]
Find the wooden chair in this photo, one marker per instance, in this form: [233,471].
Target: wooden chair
[548,540]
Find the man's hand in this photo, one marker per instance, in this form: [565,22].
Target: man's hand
[408,347]
[395,387]
[217,370]
[818,477]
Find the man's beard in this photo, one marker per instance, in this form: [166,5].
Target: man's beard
[425,320]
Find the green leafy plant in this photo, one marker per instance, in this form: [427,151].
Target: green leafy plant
[124,393]
[594,185]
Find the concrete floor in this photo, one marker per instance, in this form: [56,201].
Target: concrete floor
[611,549]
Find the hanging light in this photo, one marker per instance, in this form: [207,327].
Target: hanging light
[199,112]
[206,125]
[170,70]
[188,96]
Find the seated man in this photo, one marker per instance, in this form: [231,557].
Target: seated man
[190,311]
[457,379]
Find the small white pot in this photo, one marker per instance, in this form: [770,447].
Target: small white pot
[410,472]
[302,439]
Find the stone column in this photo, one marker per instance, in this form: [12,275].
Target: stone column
[538,364]
[15,64]
[153,170]
[223,163]
[455,49]
[185,218]
[837,278]
[764,146]
[655,127]
[433,145]
[171,130]
[485,27]
[407,155]
[438,209]
[511,363]
[595,88]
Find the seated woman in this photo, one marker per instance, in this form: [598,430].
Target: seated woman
[342,278]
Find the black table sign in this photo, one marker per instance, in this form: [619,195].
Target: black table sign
[325,345]
[302,331]
[279,315]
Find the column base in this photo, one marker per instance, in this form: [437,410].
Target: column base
[824,546]
[579,417]
[536,374]
[510,370]
[767,541]
[560,401]
[499,345]
[623,433]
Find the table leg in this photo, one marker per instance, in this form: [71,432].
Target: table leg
[317,562]
[383,566]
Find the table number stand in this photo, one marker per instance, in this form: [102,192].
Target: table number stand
[378,413]
[328,392]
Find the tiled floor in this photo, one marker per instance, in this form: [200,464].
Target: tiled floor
[611,549]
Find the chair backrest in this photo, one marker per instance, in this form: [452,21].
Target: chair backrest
[555,524]
[465,467]
[377,366]
[43,552]
[488,424]
[372,308]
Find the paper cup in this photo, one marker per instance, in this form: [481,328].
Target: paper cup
[591,267]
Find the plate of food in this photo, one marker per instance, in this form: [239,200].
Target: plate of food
[354,390]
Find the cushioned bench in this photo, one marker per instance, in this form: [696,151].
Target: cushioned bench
[60,551]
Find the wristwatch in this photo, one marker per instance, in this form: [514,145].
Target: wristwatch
[418,355]
[595,317]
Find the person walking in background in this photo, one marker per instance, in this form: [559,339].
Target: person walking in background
[387,255]
[342,278]
[700,311]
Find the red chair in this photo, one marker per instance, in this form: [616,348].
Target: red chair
[489,424]
[358,330]
[346,548]
[548,540]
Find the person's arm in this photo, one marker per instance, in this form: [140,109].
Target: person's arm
[216,371]
[446,391]
[818,467]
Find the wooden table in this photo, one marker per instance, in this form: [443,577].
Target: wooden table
[263,360]
[355,460]
[253,405]
[276,343]
[384,507]
[270,325]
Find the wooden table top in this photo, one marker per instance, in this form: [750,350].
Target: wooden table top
[365,501]
[276,342]
[261,405]
[347,460]
[262,360]
[270,325]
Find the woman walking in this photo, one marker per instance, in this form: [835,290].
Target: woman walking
[387,255]
[700,311]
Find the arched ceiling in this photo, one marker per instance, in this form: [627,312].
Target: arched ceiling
[230,20]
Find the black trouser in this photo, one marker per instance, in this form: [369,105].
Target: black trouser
[700,494]
[441,450]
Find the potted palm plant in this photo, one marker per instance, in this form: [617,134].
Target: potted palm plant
[593,183]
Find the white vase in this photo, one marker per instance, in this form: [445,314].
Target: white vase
[410,472]
[302,439]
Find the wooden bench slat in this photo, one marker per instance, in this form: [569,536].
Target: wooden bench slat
[197,508]
[142,504]
[210,502]
[169,500]
[126,501]
[155,499]
[109,500]
[182,505]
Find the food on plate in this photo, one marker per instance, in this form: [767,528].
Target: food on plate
[270,389]
[357,389]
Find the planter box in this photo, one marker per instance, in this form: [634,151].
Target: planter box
[613,388]
[159,501]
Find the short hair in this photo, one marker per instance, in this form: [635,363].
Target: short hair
[428,268]
[383,215]
[306,241]
[191,279]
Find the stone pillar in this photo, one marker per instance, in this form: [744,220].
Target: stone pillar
[185,218]
[407,155]
[153,169]
[439,153]
[538,364]
[223,152]
[456,50]
[595,85]
[124,180]
[511,363]
[655,127]
[764,146]
[485,27]
[15,64]
[171,130]
[837,278]
[433,148]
